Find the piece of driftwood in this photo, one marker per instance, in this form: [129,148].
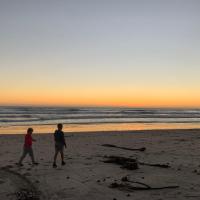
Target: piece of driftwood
[130,163]
[125,179]
[124,148]
[129,187]
[155,165]
[125,163]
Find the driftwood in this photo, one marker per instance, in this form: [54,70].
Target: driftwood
[129,187]
[130,163]
[124,148]
[142,186]
[155,165]
[125,163]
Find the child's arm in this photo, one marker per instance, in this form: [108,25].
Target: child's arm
[34,140]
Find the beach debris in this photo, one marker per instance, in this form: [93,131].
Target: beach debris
[125,163]
[155,165]
[130,163]
[128,185]
[124,148]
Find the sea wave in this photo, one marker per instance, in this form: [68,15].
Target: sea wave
[51,115]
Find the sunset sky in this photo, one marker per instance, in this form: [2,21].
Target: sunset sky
[139,53]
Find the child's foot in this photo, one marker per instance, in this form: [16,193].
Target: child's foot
[63,163]
[19,164]
[54,165]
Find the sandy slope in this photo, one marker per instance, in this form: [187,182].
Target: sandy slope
[86,177]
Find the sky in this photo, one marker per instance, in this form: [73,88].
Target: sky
[138,53]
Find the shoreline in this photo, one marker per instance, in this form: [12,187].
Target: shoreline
[160,131]
[117,127]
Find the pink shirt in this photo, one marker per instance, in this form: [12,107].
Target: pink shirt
[28,140]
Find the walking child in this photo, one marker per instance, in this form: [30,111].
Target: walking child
[59,144]
[27,148]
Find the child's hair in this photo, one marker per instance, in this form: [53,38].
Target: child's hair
[59,125]
[29,130]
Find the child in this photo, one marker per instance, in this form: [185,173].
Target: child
[27,149]
[59,144]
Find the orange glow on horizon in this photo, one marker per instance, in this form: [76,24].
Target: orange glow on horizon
[117,98]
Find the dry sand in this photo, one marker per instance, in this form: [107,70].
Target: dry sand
[86,177]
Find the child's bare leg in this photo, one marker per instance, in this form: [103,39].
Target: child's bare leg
[31,155]
[55,156]
[62,156]
[23,156]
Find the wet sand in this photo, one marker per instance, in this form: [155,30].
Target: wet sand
[86,176]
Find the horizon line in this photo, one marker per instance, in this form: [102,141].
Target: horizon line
[99,106]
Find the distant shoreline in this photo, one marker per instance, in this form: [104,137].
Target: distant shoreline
[151,131]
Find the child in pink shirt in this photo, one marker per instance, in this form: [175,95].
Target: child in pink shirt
[27,149]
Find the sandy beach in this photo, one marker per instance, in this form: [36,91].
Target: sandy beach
[86,176]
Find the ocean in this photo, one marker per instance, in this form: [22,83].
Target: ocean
[80,119]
